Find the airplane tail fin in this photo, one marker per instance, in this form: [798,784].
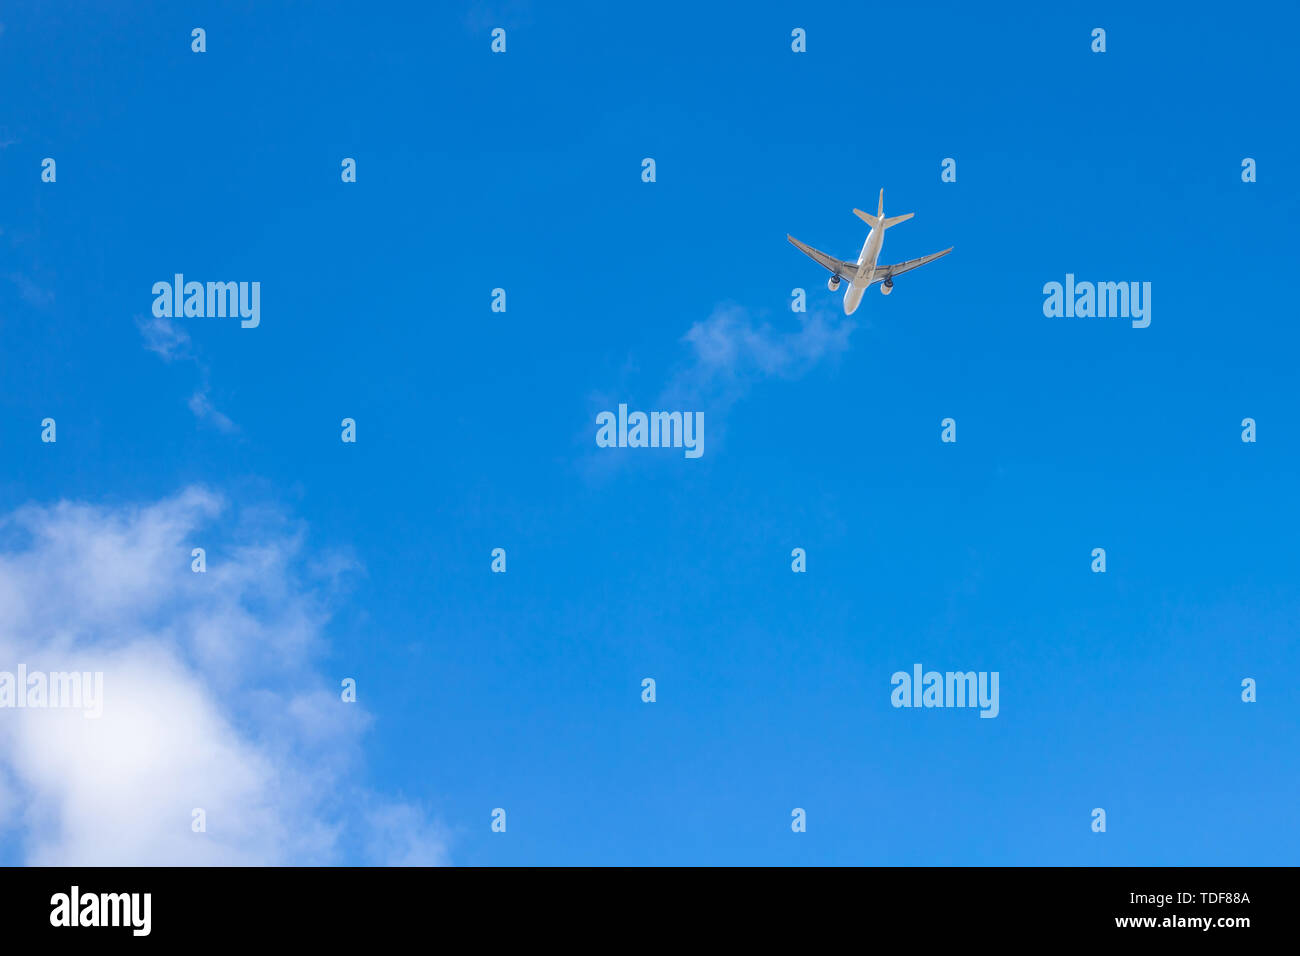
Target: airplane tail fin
[878,221]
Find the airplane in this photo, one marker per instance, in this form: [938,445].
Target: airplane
[865,272]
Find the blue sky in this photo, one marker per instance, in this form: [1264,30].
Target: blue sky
[476,429]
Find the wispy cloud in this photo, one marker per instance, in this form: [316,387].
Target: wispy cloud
[31,293]
[730,351]
[211,697]
[171,342]
[204,411]
[164,337]
[726,355]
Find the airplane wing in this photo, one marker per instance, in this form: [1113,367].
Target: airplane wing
[845,270]
[888,272]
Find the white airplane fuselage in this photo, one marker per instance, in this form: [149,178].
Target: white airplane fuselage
[866,266]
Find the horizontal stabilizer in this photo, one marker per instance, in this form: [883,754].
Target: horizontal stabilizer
[870,220]
[879,221]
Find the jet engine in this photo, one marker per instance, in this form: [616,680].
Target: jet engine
[833,283]
[887,287]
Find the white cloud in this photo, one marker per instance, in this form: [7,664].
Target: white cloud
[32,293]
[400,835]
[203,409]
[729,351]
[164,337]
[211,699]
